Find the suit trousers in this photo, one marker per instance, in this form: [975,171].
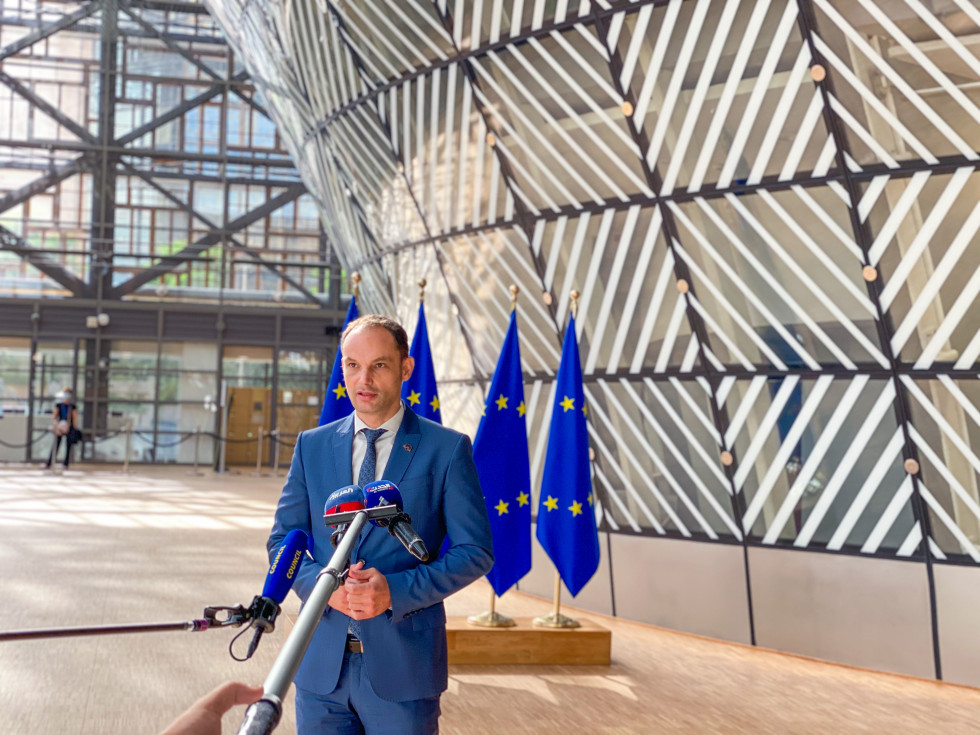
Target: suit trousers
[354,709]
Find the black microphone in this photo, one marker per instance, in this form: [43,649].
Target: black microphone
[282,573]
[339,509]
[384,492]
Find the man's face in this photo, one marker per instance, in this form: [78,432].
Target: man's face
[373,374]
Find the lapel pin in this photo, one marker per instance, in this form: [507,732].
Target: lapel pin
[407,447]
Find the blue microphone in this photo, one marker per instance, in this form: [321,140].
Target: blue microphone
[282,573]
[385,492]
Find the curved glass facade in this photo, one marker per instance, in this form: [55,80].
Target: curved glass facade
[769,207]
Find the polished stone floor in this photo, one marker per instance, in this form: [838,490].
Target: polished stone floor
[95,546]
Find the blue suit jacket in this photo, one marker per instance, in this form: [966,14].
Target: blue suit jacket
[404,649]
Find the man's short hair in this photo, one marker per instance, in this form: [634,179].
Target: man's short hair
[395,329]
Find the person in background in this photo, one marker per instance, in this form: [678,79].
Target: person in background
[204,716]
[64,418]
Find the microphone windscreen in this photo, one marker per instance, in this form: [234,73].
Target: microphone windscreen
[382,492]
[282,572]
[348,498]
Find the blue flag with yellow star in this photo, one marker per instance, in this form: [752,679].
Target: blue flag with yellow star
[336,404]
[501,456]
[566,517]
[419,391]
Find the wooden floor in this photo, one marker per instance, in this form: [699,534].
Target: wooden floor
[96,547]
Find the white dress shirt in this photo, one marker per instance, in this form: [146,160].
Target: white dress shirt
[382,446]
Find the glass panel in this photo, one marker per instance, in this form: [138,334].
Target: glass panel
[178,421]
[132,371]
[946,433]
[248,367]
[111,446]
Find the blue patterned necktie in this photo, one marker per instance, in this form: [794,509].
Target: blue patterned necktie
[369,465]
[364,476]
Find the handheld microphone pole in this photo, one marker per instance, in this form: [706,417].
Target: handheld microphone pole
[262,717]
[235,616]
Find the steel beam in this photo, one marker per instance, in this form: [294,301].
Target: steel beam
[49,30]
[202,244]
[13,243]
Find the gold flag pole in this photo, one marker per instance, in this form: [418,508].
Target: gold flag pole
[421,290]
[556,619]
[355,278]
[491,618]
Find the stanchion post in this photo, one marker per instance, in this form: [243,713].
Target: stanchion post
[275,456]
[222,427]
[258,455]
[197,448]
[128,429]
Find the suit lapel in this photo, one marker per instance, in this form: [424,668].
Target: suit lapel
[341,449]
[405,447]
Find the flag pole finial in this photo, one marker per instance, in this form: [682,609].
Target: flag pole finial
[574,297]
[355,279]
[421,290]
[514,290]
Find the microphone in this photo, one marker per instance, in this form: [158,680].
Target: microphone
[282,573]
[384,492]
[342,503]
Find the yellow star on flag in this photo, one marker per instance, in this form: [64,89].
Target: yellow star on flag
[501,402]
[501,507]
[522,409]
[341,391]
[568,404]
[413,397]
[585,410]
[551,504]
[435,403]
[591,498]
[523,499]
[576,508]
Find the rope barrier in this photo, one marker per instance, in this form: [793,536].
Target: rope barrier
[274,436]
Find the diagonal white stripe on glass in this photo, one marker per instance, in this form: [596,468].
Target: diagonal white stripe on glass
[611,288]
[778,464]
[854,452]
[761,435]
[932,223]
[911,542]
[662,287]
[966,545]
[872,483]
[887,518]
[814,457]
[787,24]
[641,272]
[724,104]
[745,406]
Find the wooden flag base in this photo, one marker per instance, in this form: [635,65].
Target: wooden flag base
[526,643]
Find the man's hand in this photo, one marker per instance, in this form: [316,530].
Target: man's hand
[367,592]
[338,600]
[204,716]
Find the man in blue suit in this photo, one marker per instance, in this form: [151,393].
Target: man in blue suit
[378,661]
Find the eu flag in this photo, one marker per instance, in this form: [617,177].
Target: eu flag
[566,519]
[336,404]
[419,391]
[501,456]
